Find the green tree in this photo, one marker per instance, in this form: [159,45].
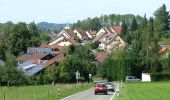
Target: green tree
[162,19]
[9,72]
[134,25]
[19,39]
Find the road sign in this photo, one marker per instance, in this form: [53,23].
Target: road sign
[77,75]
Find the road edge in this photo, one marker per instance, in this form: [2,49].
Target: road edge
[115,92]
[75,94]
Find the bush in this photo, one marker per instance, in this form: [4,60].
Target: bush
[160,76]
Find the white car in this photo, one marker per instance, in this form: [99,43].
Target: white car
[110,86]
[131,79]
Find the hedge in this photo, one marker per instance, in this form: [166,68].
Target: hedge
[160,76]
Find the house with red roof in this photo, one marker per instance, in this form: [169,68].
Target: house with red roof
[91,34]
[81,34]
[63,41]
[109,38]
[67,33]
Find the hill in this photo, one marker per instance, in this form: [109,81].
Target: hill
[50,26]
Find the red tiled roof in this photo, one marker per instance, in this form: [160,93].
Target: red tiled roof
[81,31]
[93,32]
[108,30]
[54,46]
[58,58]
[32,57]
[117,29]
[69,31]
[101,56]
[73,42]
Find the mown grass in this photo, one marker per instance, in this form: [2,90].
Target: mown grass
[145,91]
[165,41]
[46,92]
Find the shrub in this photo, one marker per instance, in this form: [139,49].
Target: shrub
[160,76]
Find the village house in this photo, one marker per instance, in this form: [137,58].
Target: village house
[91,34]
[81,34]
[109,38]
[63,41]
[67,33]
[38,58]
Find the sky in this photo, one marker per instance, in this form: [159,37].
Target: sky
[69,11]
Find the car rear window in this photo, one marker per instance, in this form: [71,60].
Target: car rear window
[101,85]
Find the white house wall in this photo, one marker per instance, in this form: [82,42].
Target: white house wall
[57,40]
[89,35]
[101,31]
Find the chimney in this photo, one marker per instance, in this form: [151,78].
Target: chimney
[38,61]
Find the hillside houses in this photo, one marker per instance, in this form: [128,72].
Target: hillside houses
[109,38]
[38,58]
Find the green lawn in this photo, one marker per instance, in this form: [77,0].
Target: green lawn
[165,41]
[46,92]
[145,91]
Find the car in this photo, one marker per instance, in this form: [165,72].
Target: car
[131,79]
[110,86]
[100,88]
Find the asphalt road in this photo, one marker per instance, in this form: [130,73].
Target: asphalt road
[89,95]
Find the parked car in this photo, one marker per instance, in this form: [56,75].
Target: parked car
[131,79]
[110,86]
[100,88]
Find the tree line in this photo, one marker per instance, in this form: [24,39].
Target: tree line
[142,52]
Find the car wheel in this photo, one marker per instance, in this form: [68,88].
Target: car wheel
[106,93]
[95,93]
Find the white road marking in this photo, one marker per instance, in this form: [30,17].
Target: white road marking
[115,92]
[75,94]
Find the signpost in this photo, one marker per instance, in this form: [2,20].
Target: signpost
[77,76]
[90,76]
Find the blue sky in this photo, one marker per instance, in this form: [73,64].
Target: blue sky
[62,11]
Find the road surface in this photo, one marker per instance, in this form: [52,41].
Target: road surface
[89,95]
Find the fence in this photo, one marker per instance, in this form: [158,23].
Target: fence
[21,95]
[36,92]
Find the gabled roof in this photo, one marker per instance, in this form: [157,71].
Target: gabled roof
[108,30]
[93,32]
[34,56]
[99,36]
[73,42]
[81,31]
[107,38]
[69,31]
[117,29]
[58,58]
[54,46]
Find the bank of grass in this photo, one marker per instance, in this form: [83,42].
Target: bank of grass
[145,91]
[165,41]
[45,92]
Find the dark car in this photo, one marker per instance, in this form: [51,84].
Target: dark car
[100,88]
[110,86]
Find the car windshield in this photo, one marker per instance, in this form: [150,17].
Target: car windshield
[101,84]
[109,83]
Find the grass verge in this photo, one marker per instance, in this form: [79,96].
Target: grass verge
[145,91]
[46,92]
